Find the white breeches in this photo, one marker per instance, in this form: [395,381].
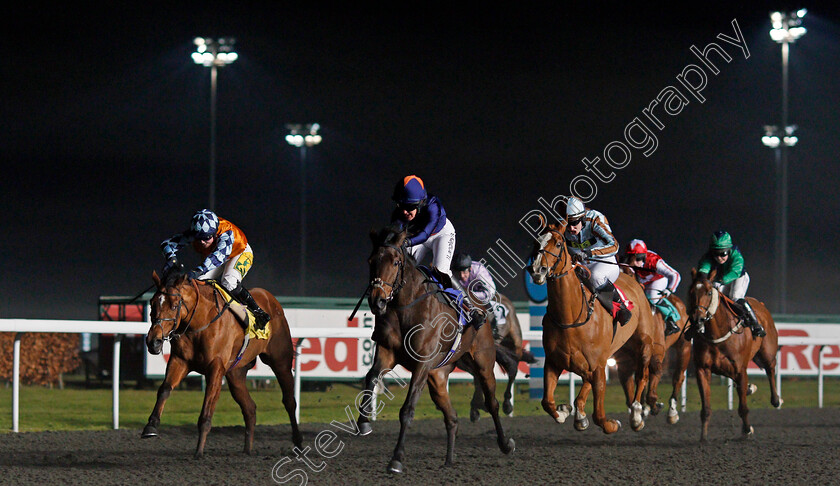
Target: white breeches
[442,246]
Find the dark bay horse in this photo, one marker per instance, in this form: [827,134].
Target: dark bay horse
[724,345]
[207,337]
[416,330]
[579,334]
[509,352]
[681,348]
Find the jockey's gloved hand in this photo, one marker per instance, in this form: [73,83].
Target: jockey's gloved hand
[578,257]
[193,275]
[169,265]
[718,285]
[665,293]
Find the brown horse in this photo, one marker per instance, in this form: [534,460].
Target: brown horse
[724,345]
[579,334]
[682,352]
[509,352]
[207,337]
[413,328]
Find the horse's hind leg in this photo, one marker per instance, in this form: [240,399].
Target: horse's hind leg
[766,359]
[211,397]
[511,366]
[477,402]
[581,420]
[655,375]
[282,368]
[440,397]
[704,376]
[683,350]
[239,392]
[485,363]
[176,370]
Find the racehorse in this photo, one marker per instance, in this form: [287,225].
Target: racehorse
[724,345]
[509,352]
[579,334]
[206,337]
[682,352]
[413,328]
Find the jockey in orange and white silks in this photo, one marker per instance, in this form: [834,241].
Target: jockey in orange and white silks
[423,216]
[591,242]
[227,256]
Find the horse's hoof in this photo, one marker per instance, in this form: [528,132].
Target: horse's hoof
[638,427]
[395,466]
[562,413]
[507,407]
[581,424]
[149,431]
[198,455]
[752,388]
[778,405]
[657,408]
[618,422]
[364,428]
[646,411]
[672,419]
[510,446]
[475,415]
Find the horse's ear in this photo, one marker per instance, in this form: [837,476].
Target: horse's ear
[712,275]
[156,279]
[373,236]
[693,274]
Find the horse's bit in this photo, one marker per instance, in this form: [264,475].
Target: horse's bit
[397,284]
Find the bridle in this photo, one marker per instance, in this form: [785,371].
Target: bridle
[709,312]
[553,276]
[173,334]
[399,281]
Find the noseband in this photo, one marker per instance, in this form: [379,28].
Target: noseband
[557,259]
[397,284]
[173,334]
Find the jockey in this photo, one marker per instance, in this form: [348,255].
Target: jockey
[423,216]
[658,279]
[731,278]
[590,241]
[473,275]
[227,257]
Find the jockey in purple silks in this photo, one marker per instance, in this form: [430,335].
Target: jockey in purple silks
[475,277]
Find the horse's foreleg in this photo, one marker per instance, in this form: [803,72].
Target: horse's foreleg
[511,366]
[477,401]
[703,377]
[599,388]
[440,397]
[581,421]
[766,358]
[176,370]
[383,360]
[654,377]
[415,388]
[626,378]
[550,376]
[742,380]
[637,420]
[239,392]
[211,397]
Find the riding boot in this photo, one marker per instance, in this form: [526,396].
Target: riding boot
[261,317]
[609,297]
[752,321]
[476,318]
[670,327]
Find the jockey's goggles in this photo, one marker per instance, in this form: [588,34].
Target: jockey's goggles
[575,222]
[204,237]
[722,253]
[640,257]
[408,206]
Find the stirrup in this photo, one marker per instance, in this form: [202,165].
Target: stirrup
[671,327]
[758,330]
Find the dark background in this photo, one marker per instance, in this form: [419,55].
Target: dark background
[107,129]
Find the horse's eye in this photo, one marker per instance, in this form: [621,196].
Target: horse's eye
[396,262]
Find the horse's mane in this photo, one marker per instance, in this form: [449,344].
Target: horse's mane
[390,235]
[175,276]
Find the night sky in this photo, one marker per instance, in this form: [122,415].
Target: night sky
[107,135]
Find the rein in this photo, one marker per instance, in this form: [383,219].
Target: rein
[711,310]
[174,334]
[590,305]
[397,284]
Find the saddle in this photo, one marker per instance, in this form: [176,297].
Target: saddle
[244,315]
[449,296]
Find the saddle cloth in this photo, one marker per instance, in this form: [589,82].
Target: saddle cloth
[248,317]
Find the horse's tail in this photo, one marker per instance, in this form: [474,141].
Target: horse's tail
[527,357]
[506,358]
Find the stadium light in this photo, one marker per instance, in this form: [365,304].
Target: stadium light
[303,136]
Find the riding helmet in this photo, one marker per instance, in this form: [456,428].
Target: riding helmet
[204,223]
[410,191]
[720,241]
[574,208]
[460,262]
[636,247]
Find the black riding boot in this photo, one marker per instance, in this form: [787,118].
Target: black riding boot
[752,321]
[671,327]
[261,317]
[609,297]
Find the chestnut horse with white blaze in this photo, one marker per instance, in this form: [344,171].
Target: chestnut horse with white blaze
[724,345]
[579,335]
[207,337]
